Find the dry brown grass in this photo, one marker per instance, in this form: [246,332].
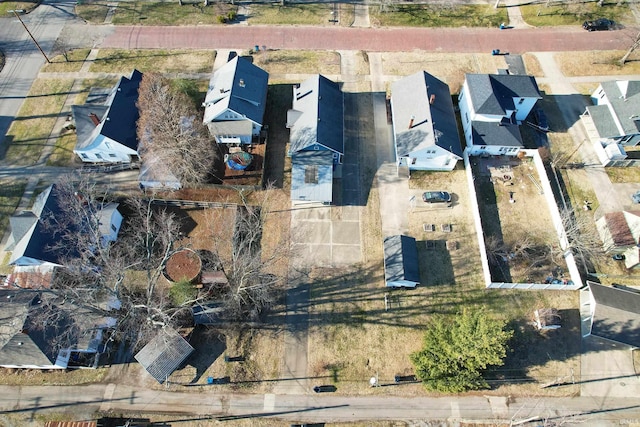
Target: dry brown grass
[596,63]
[298,62]
[51,377]
[449,67]
[532,65]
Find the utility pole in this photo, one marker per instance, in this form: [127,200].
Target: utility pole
[30,35]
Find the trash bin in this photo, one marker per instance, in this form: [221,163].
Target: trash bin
[209,380]
[495,52]
[502,26]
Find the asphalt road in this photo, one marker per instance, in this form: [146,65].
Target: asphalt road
[23,59]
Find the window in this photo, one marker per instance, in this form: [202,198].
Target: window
[112,155]
[466,117]
[84,155]
[311,174]
[98,155]
[113,227]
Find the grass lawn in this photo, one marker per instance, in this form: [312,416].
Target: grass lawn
[53,377]
[60,65]
[572,13]
[597,63]
[93,12]
[619,175]
[27,6]
[298,61]
[299,14]
[156,60]
[35,120]
[439,16]
[171,13]
[62,154]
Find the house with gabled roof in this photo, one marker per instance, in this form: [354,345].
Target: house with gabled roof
[35,333]
[425,131]
[235,102]
[401,263]
[614,314]
[316,121]
[107,132]
[616,111]
[620,233]
[492,106]
[33,238]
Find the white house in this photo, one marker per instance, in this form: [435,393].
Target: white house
[32,241]
[425,131]
[107,132]
[235,102]
[492,106]
[616,112]
[316,147]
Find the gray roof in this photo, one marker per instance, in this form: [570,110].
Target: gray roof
[623,109]
[239,86]
[401,259]
[85,127]
[164,354]
[494,133]
[617,314]
[120,119]
[322,191]
[425,102]
[494,93]
[319,115]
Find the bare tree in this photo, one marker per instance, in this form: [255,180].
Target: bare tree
[583,239]
[171,131]
[634,45]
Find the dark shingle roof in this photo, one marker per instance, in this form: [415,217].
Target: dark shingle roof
[401,259]
[321,119]
[164,354]
[617,314]
[494,133]
[427,100]
[494,93]
[624,100]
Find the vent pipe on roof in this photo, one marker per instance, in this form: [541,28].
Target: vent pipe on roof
[411,121]
[241,83]
[94,119]
[432,99]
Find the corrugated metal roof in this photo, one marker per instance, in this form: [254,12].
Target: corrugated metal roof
[164,354]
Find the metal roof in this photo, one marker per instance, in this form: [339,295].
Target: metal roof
[301,189]
[319,115]
[401,259]
[423,115]
[164,354]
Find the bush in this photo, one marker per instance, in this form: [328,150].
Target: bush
[231,16]
[182,292]
[221,19]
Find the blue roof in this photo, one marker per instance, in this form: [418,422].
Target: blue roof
[319,118]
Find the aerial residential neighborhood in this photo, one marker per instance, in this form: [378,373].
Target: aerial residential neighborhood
[327,214]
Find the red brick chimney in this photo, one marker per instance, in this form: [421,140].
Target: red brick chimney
[94,119]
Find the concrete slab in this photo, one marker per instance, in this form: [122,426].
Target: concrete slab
[350,213]
[346,254]
[346,232]
[316,213]
[316,232]
[607,370]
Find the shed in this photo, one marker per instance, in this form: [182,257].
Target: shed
[164,354]
[401,262]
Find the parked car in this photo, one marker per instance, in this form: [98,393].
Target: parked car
[601,24]
[436,197]
[636,197]
[324,389]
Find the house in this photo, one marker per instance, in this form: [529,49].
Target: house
[107,131]
[425,131]
[235,102]
[32,240]
[401,262]
[616,112]
[492,106]
[35,333]
[614,314]
[164,354]
[316,120]
[620,234]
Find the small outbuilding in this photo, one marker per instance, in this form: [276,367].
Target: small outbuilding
[401,262]
[164,354]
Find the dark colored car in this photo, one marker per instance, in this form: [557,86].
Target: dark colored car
[436,197]
[601,24]
[324,389]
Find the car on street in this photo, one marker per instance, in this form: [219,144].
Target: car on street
[436,197]
[602,24]
[324,389]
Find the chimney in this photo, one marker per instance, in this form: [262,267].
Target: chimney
[411,121]
[241,84]
[94,119]
[432,99]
